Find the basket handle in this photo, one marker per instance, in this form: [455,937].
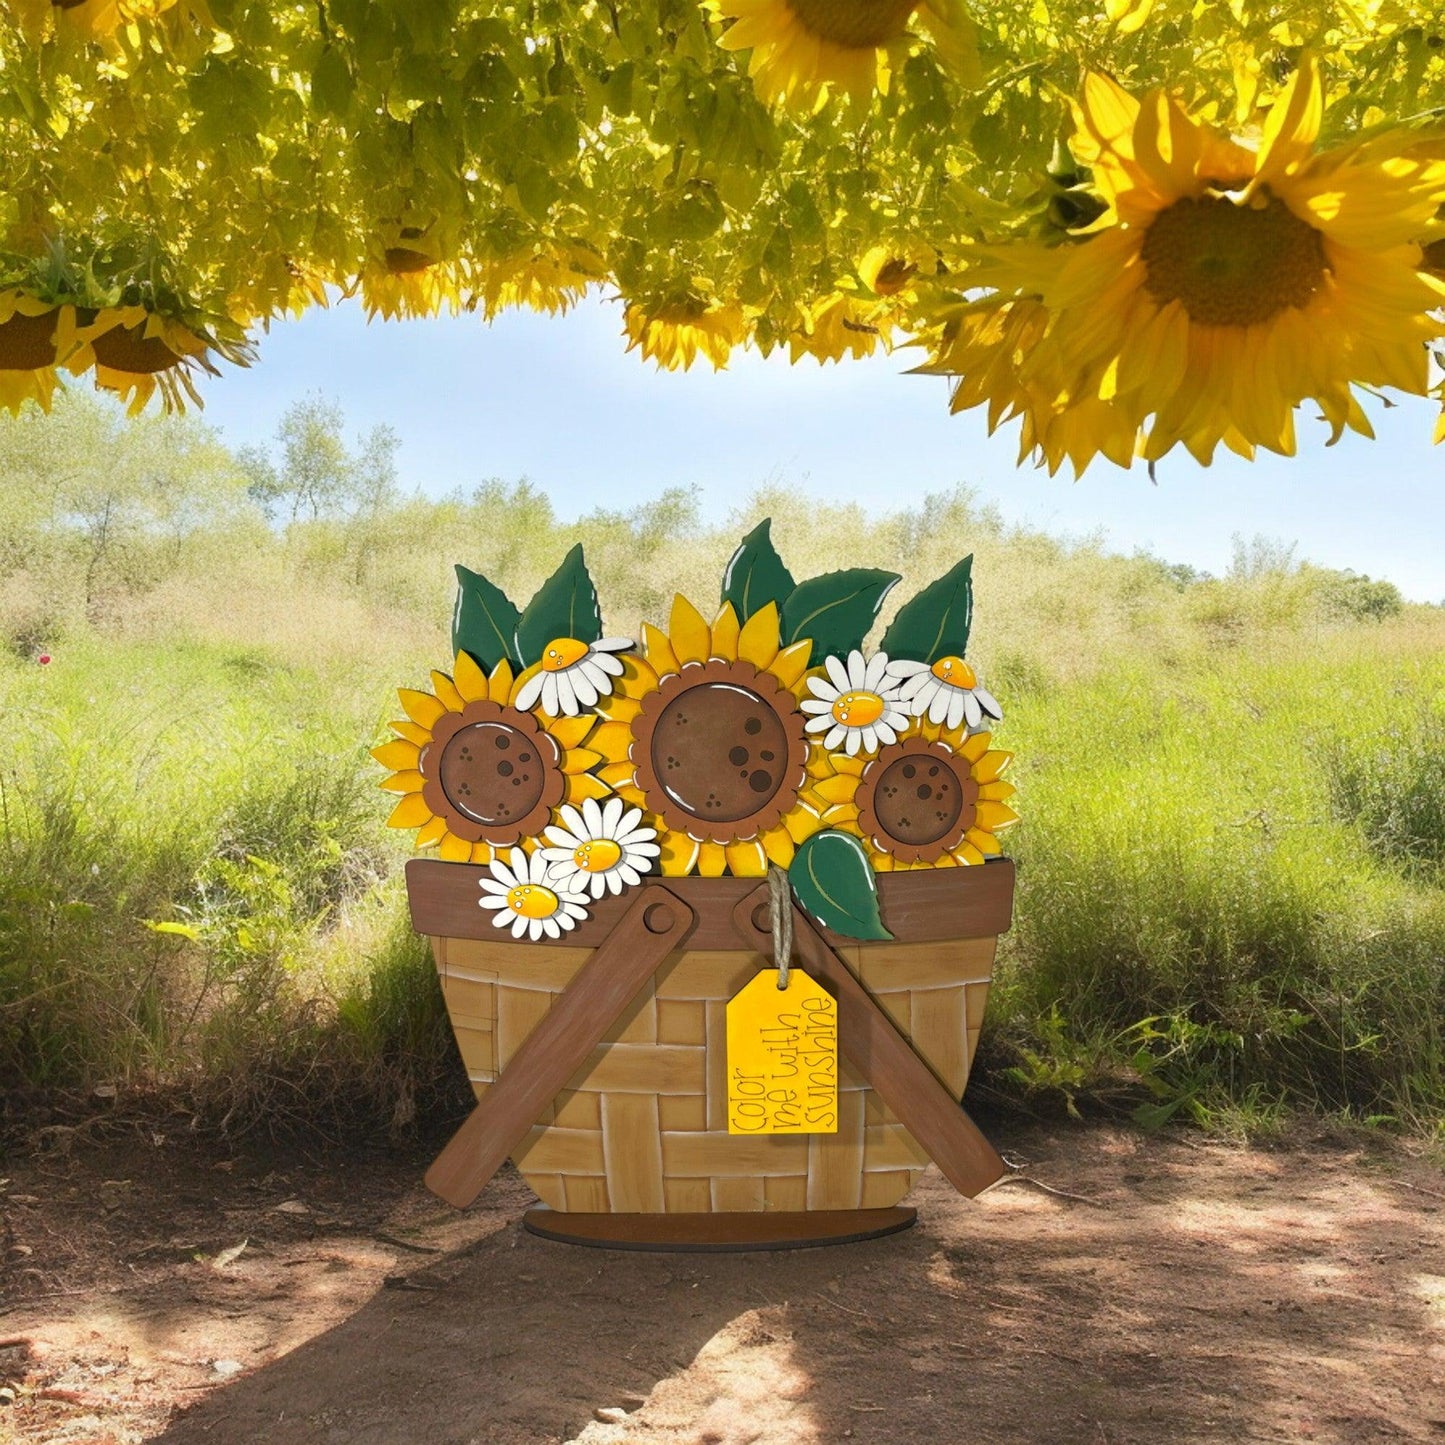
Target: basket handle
[656,924]
[883,1055]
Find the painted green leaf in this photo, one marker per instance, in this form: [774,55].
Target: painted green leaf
[835,610]
[834,881]
[936,622]
[484,622]
[565,606]
[756,575]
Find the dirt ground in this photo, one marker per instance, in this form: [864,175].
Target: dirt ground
[1127,1289]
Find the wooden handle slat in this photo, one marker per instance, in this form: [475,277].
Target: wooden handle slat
[657,923]
[886,1059]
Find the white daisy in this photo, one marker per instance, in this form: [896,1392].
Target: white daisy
[527,902]
[600,847]
[855,705]
[574,675]
[948,692]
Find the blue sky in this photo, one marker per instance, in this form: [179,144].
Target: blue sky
[555,399]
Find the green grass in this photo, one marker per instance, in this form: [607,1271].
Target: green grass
[1185,861]
[1230,866]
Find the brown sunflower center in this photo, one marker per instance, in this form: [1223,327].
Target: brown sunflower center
[27,342]
[1232,265]
[854,24]
[492,773]
[719,752]
[919,799]
[129,349]
[1433,259]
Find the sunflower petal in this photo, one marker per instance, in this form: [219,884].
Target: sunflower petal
[747,860]
[397,754]
[759,641]
[446,692]
[725,633]
[410,812]
[659,651]
[470,680]
[421,707]
[689,634]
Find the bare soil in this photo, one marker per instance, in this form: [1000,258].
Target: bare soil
[1127,1289]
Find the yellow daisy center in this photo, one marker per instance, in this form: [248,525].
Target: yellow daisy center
[596,855]
[531,900]
[854,24]
[1232,265]
[955,672]
[562,653]
[857,709]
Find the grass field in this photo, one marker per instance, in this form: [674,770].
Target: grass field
[1232,861]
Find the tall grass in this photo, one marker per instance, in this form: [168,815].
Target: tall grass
[1230,867]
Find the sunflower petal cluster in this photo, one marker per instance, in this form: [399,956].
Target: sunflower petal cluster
[1226,282]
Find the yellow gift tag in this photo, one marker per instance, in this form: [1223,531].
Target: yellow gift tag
[782,1057]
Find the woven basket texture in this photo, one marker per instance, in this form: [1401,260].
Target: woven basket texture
[642,1126]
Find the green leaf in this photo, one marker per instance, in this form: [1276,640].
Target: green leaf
[936,622]
[835,610]
[834,881]
[565,606]
[484,622]
[332,83]
[756,575]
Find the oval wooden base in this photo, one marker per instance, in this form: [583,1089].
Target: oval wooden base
[718,1233]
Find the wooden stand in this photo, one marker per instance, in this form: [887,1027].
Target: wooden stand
[718,1233]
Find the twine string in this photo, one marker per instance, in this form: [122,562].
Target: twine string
[780,907]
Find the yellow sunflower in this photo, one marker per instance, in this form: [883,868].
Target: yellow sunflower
[137,352]
[705,734]
[407,275]
[673,333]
[106,22]
[476,773]
[34,336]
[993,348]
[837,326]
[803,49]
[936,798]
[539,279]
[1223,284]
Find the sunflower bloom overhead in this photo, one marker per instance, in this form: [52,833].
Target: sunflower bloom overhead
[803,49]
[1223,286]
[676,332]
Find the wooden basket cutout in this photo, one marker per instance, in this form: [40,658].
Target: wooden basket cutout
[641,1127]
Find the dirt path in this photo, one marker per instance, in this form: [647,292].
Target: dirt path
[1193,1292]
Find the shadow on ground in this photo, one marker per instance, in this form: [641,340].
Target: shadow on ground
[1201,1293]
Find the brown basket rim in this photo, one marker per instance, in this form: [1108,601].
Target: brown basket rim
[925,905]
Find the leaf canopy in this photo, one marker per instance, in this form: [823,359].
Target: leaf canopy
[221,162]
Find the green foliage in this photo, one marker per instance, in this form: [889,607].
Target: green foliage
[565,606]
[755,574]
[836,610]
[1390,783]
[834,881]
[484,621]
[255,160]
[936,622]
